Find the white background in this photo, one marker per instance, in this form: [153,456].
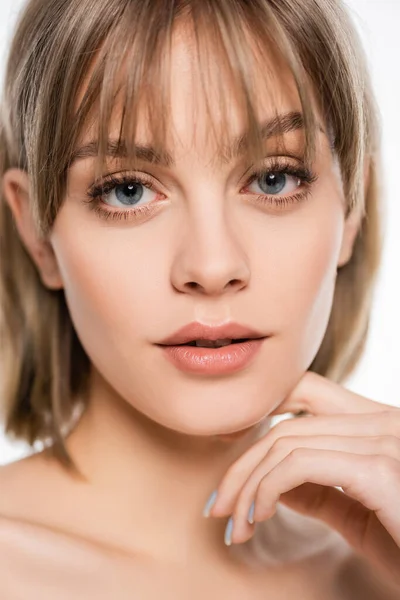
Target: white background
[377,375]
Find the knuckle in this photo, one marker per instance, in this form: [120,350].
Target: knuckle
[386,467]
[298,453]
[389,445]
[391,421]
[280,445]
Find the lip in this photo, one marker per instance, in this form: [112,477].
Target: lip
[199,331]
[213,361]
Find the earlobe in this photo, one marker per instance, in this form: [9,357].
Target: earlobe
[16,190]
[351,229]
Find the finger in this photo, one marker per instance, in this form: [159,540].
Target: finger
[377,445]
[371,523]
[345,515]
[318,395]
[364,425]
[374,481]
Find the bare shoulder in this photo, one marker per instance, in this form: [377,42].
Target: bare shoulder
[37,506]
[28,487]
[40,554]
[36,562]
[45,537]
[36,492]
[26,547]
[28,500]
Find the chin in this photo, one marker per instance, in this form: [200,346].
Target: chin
[237,435]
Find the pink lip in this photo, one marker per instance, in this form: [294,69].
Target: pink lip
[213,361]
[198,331]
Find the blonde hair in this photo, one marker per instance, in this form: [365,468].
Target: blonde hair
[45,370]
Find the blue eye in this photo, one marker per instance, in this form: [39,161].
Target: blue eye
[126,190]
[276,181]
[273,179]
[130,191]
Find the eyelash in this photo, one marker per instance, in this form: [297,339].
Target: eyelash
[97,192]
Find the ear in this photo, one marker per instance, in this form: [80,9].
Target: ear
[16,192]
[352,226]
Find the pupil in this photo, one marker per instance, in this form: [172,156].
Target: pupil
[130,192]
[275,180]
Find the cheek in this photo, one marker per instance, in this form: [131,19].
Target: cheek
[307,266]
[107,285]
[299,276]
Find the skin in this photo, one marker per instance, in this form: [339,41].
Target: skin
[149,426]
[350,441]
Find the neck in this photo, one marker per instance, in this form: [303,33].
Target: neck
[148,484]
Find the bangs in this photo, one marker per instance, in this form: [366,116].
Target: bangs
[43,114]
[229,40]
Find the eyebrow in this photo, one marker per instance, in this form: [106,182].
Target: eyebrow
[279,125]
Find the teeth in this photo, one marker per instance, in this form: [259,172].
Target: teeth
[212,344]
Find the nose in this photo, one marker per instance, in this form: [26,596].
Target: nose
[211,259]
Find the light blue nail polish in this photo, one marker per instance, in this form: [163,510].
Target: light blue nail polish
[228,532]
[210,503]
[250,517]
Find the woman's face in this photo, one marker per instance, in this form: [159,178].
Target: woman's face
[209,246]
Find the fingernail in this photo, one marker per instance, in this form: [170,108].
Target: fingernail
[250,517]
[228,532]
[210,503]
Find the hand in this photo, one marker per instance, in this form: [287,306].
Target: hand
[354,445]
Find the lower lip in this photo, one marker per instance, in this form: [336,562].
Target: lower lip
[213,361]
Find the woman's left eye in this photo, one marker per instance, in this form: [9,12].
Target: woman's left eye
[273,182]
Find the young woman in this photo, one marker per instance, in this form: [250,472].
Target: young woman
[190,237]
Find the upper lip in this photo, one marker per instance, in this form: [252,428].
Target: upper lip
[198,331]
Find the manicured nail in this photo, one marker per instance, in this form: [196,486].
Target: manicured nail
[228,532]
[250,517]
[210,503]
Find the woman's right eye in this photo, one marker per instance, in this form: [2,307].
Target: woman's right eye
[127,190]
[123,190]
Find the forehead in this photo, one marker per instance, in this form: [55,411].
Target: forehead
[195,94]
